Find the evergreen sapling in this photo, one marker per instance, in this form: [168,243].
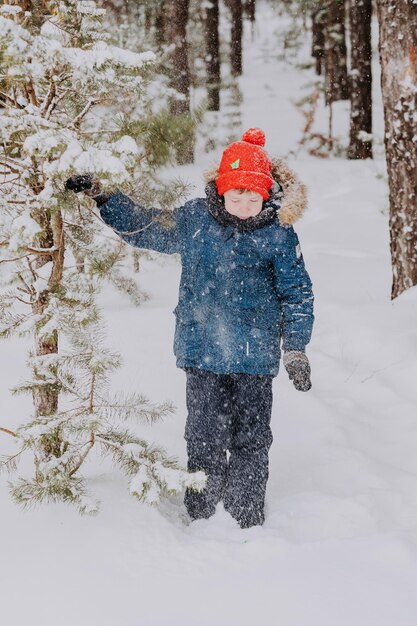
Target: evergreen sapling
[60,78]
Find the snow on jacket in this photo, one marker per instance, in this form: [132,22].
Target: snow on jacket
[244,287]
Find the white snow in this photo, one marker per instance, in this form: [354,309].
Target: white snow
[75,158]
[11,10]
[102,53]
[89,8]
[339,545]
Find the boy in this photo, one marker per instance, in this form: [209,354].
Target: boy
[243,290]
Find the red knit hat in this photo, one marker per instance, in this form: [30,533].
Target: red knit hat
[245,165]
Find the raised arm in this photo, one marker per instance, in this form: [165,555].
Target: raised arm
[153,229]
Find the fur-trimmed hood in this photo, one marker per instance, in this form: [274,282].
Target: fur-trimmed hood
[293,201]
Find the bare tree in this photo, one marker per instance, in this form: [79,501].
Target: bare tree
[360,146]
[212,55]
[236,9]
[398,53]
[161,23]
[336,78]
[178,11]
[318,18]
[250,9]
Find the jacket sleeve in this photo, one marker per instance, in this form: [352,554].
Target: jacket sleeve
[153,229]
[294,290]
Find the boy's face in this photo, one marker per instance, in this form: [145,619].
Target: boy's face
[243,203]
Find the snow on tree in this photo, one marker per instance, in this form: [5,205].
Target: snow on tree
[60,78]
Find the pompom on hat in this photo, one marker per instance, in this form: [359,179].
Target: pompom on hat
[246,165]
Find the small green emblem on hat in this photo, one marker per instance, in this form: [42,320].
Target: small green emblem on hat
[235,164]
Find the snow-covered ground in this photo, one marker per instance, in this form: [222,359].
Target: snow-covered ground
[339,545]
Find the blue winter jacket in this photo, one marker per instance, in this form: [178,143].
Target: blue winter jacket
[241,292]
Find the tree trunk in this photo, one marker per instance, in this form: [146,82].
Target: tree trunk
[250,9]
[45,397]
[25,5]
[318,21]
[161,23]
[236,37]
[336,78]
[148,19]
[38,10]
[212,55]
[136,260]
[398,53]
[360,146]
[181,80]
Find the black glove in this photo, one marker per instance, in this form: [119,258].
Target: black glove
[79,182]
[89,185]
[298,368]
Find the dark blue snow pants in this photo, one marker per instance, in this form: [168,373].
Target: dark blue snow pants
[229,412]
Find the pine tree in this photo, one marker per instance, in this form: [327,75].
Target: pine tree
[58,68]
[167,125]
